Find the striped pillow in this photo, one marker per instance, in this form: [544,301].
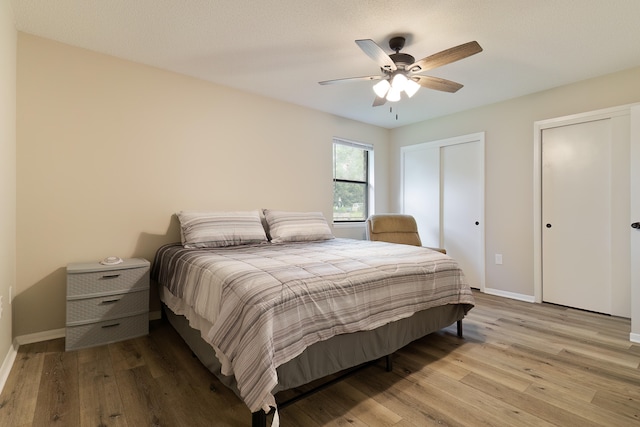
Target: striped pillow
[218,229]
[297,226]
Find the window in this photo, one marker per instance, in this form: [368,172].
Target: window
[352,166]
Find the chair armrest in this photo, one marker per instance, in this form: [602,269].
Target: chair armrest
[442,250]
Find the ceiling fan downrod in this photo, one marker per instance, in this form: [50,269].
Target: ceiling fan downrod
[402,60]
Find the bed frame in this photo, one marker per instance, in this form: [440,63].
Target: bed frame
[314,364]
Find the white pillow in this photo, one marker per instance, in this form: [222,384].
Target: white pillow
[297,226]
[218,229]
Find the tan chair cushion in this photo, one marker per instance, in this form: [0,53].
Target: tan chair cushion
[395,228]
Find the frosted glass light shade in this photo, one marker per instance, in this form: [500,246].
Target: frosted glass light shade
[393,95]
[398,82]
[411,87]
[381,88]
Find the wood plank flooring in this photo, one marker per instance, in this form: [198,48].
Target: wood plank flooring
[519,364]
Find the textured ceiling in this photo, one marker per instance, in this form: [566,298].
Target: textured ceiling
[281,49]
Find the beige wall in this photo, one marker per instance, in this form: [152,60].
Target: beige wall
[108,150]
[8,45]
[509,164]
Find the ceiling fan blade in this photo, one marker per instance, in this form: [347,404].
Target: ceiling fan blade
[376,53]
[437,83]
[350,79]
[379,101]
[445,57]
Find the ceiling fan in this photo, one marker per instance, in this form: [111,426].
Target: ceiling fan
[401,72]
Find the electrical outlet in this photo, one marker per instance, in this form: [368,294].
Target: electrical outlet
[499,259]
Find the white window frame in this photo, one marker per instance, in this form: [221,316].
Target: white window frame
[370,175]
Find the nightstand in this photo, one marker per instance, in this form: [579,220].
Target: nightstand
[106,303]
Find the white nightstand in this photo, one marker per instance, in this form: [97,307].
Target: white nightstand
[106,303]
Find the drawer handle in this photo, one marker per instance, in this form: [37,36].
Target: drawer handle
[113,325]
[109,301]
[110,276]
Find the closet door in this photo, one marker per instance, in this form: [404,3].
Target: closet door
[634,291]
[443,188]
[421,190]
[576,211]
[585,214]
[462,182]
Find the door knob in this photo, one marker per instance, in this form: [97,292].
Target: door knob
[635,225]
[549,225]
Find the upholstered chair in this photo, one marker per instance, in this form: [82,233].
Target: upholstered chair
[395,228]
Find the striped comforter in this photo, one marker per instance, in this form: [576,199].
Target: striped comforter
[266,303]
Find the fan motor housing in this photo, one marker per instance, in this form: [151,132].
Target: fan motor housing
[402,59]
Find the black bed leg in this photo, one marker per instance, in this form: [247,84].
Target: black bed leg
[259,419]
[389,363]
[459,324]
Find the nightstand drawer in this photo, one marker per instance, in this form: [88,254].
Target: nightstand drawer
[80,311]
[106,332]
[108,282]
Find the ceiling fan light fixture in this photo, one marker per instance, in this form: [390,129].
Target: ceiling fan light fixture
[393,95]
[381,88]
[399,81]
[411,87]
[399,69]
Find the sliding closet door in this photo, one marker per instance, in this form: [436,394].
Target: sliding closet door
[462,207]
[585,215]
[576,210]
[421,190]
[443,188]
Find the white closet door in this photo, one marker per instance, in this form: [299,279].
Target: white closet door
[634,292]
[462,207]
[421,190]
[576,215]
[582,203]
[443,188]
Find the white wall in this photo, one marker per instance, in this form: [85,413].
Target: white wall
[108,150]
[8,45]
[509,164]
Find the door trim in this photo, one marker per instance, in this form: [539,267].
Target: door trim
[538,127]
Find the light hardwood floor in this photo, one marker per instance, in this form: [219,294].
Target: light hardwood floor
[519,364]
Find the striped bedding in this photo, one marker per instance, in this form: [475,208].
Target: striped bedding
[264,304]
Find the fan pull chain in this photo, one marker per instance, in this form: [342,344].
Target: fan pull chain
[391,112]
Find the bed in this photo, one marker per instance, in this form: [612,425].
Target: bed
[274,308]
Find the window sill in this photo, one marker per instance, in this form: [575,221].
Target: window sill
[349,224]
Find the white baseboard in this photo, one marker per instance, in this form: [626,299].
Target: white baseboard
[512,295]
[634,337]
[7,364]
[10,358]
